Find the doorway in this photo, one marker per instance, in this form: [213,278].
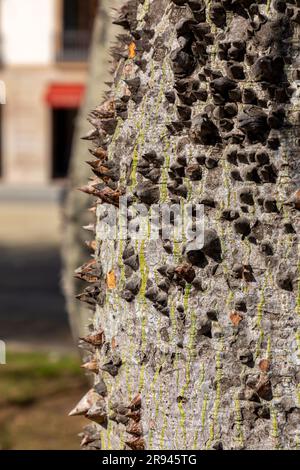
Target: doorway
[63,126]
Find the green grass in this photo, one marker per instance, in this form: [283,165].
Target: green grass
[38,365]
[28,376]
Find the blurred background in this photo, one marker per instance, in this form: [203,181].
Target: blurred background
[52,65]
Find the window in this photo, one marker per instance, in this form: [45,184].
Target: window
[63,124]
[77,24]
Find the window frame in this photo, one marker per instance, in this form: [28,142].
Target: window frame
[58,42]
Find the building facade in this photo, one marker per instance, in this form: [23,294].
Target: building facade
[43,65]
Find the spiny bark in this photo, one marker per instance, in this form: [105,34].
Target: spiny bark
[200,349]
[75,251]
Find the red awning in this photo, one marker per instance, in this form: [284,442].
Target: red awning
[65,95]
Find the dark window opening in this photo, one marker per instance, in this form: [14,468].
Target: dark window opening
[63,125]
[78,18]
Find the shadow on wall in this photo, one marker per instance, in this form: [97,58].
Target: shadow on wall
[32,305]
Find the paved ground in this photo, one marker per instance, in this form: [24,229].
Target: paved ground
[31,303]
[35,194]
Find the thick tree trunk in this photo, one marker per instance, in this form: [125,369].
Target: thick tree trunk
[75,251]
[200,349]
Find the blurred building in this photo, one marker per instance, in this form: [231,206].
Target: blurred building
[43,63]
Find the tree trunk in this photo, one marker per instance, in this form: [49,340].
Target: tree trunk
[199,348]
[75,251]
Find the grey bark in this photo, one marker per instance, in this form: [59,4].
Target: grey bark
[200,349]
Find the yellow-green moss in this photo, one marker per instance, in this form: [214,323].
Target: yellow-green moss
[238,422]
[204,411]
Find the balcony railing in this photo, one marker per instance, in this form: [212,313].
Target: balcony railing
[75,46]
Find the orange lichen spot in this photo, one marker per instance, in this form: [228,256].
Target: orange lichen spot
[111,280]
[264,365]
[152,424]
[114,343]
[235,318]
[132,50]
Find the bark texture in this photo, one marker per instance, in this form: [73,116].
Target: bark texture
[75,251]
[199,349]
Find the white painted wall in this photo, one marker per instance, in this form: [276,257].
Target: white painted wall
[28,31]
